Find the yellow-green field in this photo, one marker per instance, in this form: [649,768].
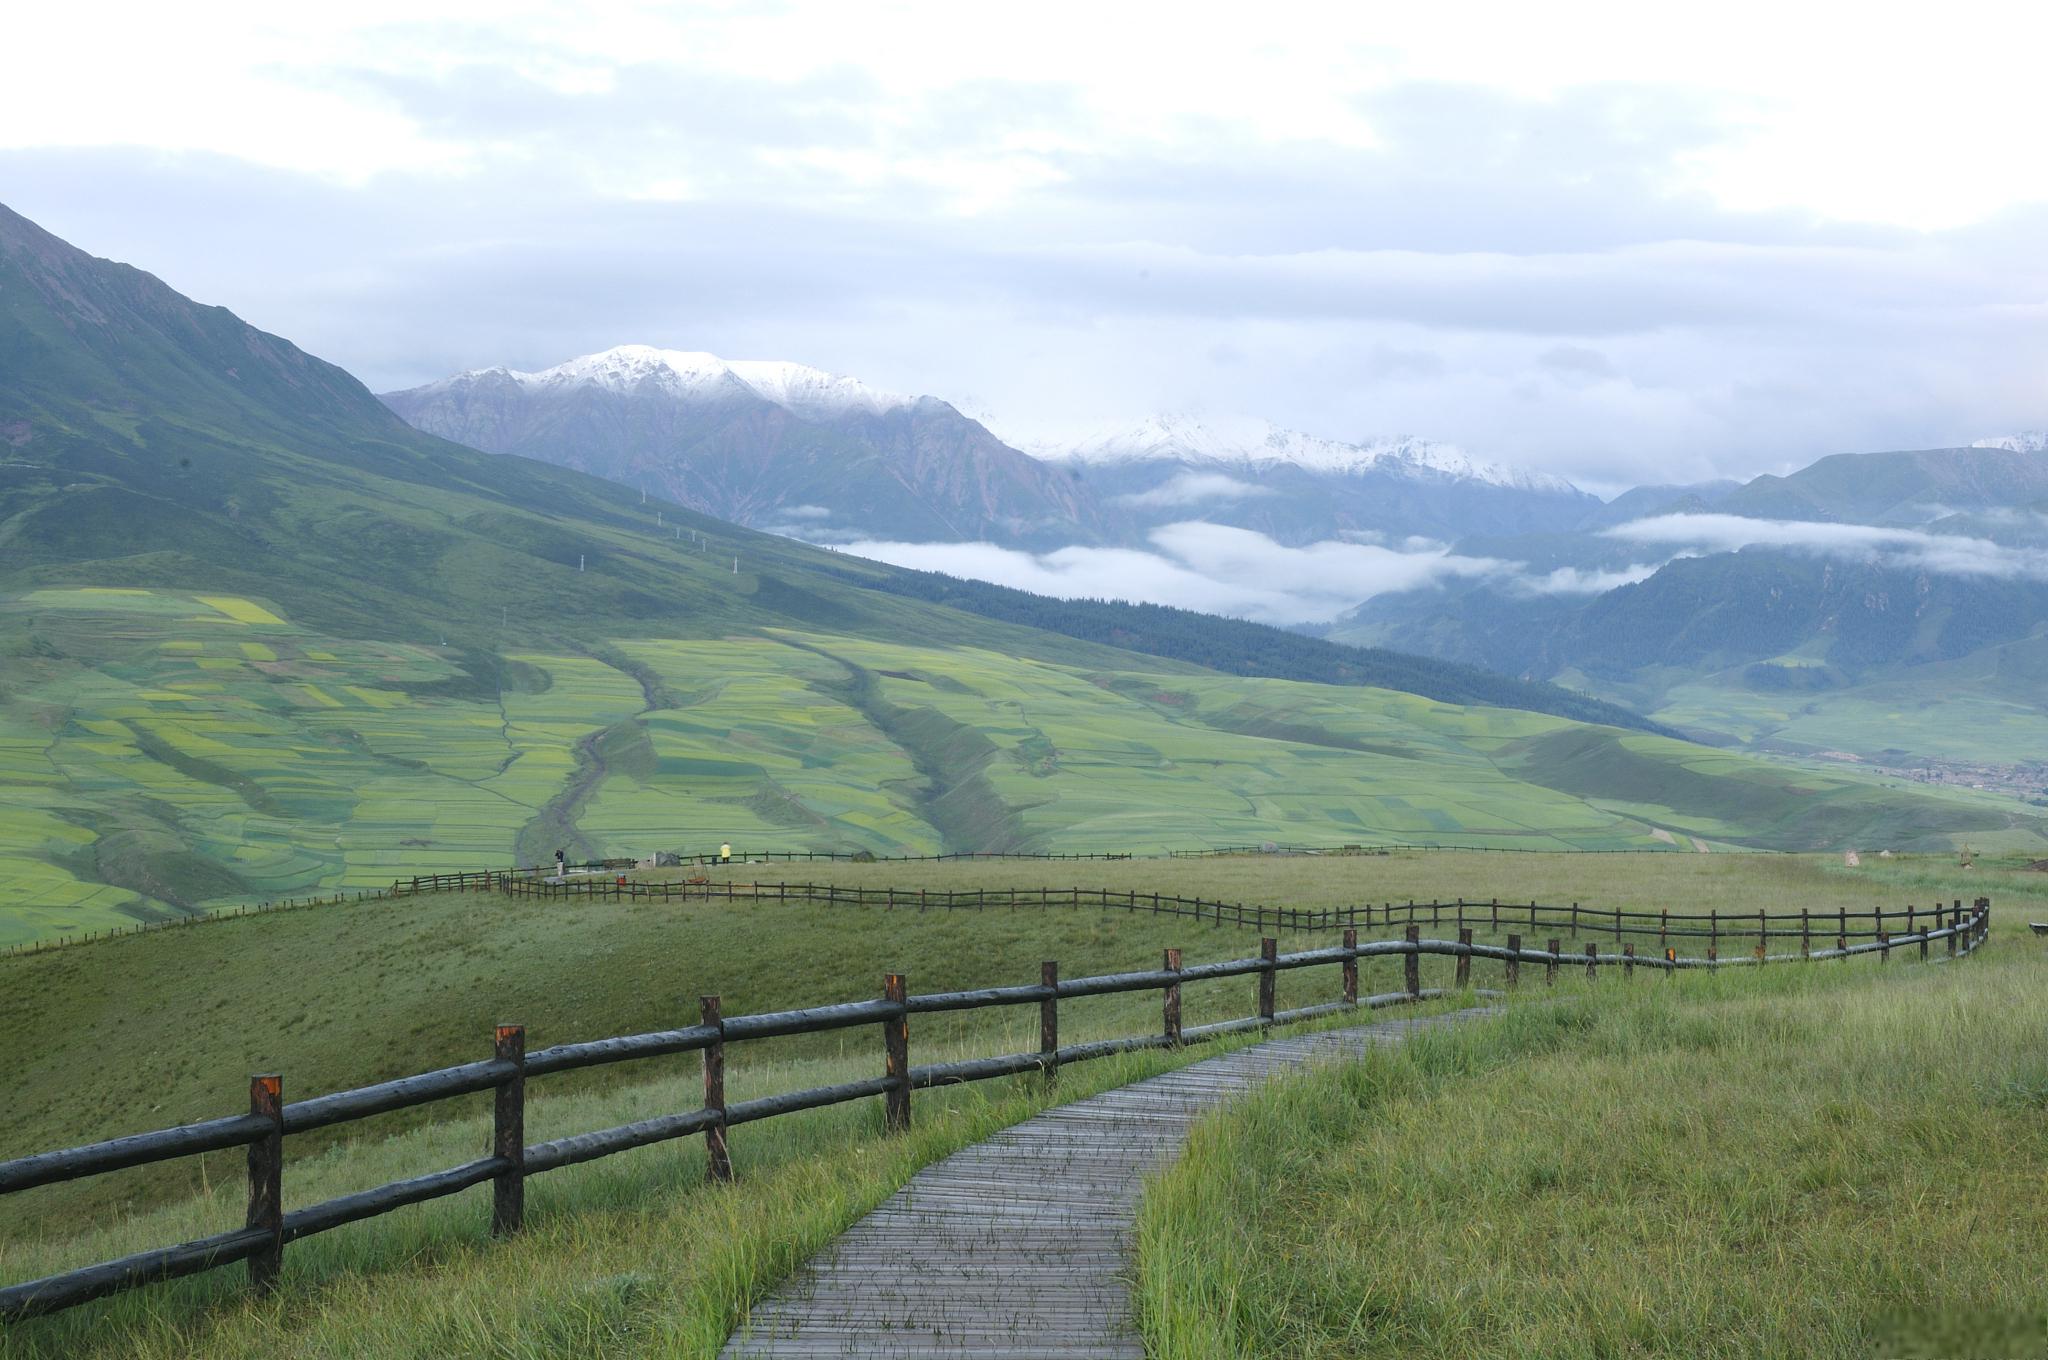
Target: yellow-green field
[164,753]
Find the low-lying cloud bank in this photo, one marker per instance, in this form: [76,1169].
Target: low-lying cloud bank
[1906,549]
[1218,569]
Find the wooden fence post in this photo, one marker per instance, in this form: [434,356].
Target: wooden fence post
[1664,928]
[1351,967]
[1884,946]
[1954,924]
[266,1180]
[1514,960]
[896,1046]
[1049,1022]
[1464,976]
[1923,944]
[1172,1001]
[1592,961]
[508,1132]
[1269,949]
[1763,931]
[717,1157]
[1714,933]
[1805,933]
[1550,965]
[1628,961]
[1411,963]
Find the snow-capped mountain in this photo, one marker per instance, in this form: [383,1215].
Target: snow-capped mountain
[692,375]
[765,443]
[1300,488]
[2026,441]
[1197,440]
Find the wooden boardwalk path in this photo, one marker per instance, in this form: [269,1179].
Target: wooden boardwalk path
[1018,1246]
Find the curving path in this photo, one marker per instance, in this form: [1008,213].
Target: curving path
[1017,1247]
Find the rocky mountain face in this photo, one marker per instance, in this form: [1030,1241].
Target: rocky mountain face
[770,445]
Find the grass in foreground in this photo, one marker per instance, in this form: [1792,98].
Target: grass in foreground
[634,1255]
[1825,1161]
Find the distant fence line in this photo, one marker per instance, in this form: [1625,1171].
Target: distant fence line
[1715,927]
[586,880]
[268,1228]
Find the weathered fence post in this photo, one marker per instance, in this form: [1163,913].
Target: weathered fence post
[1496,914]
[1664,928]
[1714,933]
[1464,974]
[1923,944]
[1884,946]
[1411,963]
[1350,967]
[1592,961]
[1269,949]
[1763,931]
[1628,961]
[1805,933]
[717,1156]
[266,1180]
[896,1045]
[1514,960]
[1172,1002]
[1550,965]
[508,1132]
[1955,924]
[1049,1021]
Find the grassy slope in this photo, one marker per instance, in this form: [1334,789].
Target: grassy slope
[422,656]
[1835,1162]
[632,1257]
[160,752]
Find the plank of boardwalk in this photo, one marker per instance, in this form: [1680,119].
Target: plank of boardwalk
[1018,1246]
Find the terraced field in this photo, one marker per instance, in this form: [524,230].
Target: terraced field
[163,752]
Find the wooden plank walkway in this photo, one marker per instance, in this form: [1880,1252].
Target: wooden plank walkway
[1018,1246]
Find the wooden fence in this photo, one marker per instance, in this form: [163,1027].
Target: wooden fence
[268,1228]
[1715,927]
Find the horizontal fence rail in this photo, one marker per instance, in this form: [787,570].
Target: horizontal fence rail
[505,1074]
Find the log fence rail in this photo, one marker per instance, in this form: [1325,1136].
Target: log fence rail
[507,1073]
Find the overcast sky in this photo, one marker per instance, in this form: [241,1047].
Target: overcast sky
[1625,243]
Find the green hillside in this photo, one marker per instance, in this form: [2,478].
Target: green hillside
[263,639]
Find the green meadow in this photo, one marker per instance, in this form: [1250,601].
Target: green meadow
[1275,1247]
[165,753]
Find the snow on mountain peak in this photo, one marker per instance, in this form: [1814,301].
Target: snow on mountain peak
[1248,441]
[693,374]
[2026,441]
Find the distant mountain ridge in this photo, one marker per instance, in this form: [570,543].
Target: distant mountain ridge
[693,374]
[771,445]
[1177,438]
[795,449]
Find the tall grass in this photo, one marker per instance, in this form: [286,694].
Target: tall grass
[631,1255]
[1797,1161]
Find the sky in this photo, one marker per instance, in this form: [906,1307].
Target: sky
[1623,243]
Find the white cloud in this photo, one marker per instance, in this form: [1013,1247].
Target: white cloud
[1906,549]
[1235,572]
[1578,581]
[1572,242]
[1195,488]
